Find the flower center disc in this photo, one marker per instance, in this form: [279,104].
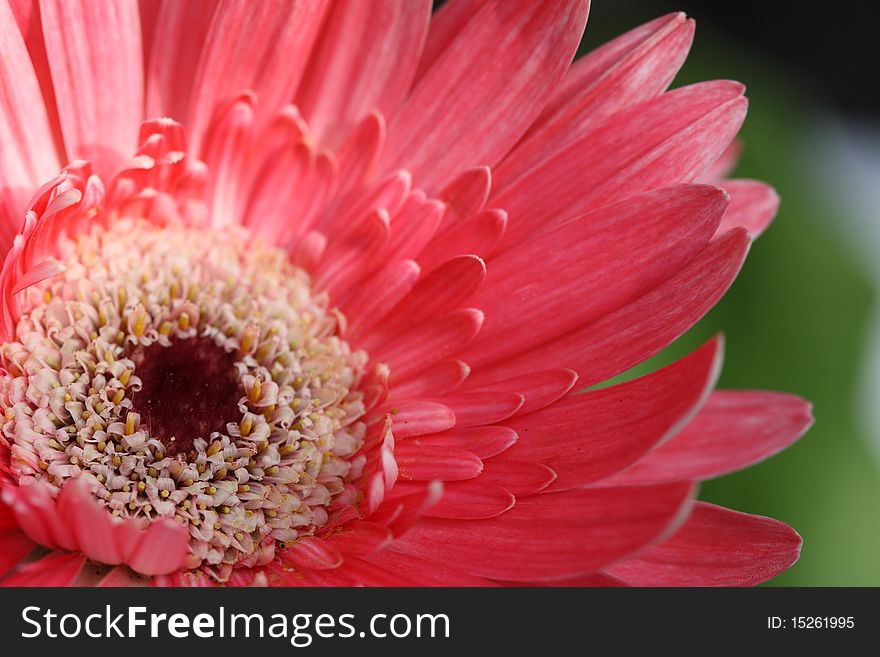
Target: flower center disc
[190,374]
[190,389]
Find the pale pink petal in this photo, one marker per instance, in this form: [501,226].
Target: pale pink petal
[224,152]
[716,547]
[179,35]
[527,46]
[28,157]
[94,49]
[161,548]
[261,46]
[359,154]
[365,59]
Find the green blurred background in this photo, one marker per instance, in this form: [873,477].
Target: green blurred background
[796,318]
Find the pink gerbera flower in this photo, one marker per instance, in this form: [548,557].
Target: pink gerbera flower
[329,322]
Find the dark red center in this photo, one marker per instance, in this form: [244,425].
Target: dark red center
[190,389]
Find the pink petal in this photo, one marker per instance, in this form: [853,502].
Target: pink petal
[95,56]
[413,226]
[600,350]
[359,154]
[733,430]
[472,500]
[588,436]
[540,389]
[716,547]
[467,194]
[491,79]
[725,164]
[484,441]
[91,525]
[312,553]
[419,462]
[28,157]
[446,288]
[478,234]
[179,34]
[483,407]
[402,512]
[14,546]
[359,537]
[55,569]
[161,548]
[605,259]
[592,91]
[428,344]
[224,153]
[393,569]
[679,135]
[365,59]
[368,303]
[122,576]
[263,47]
[414,418]
[553,536]
[520,478]
[346,261]
[445,376]
[753,205]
